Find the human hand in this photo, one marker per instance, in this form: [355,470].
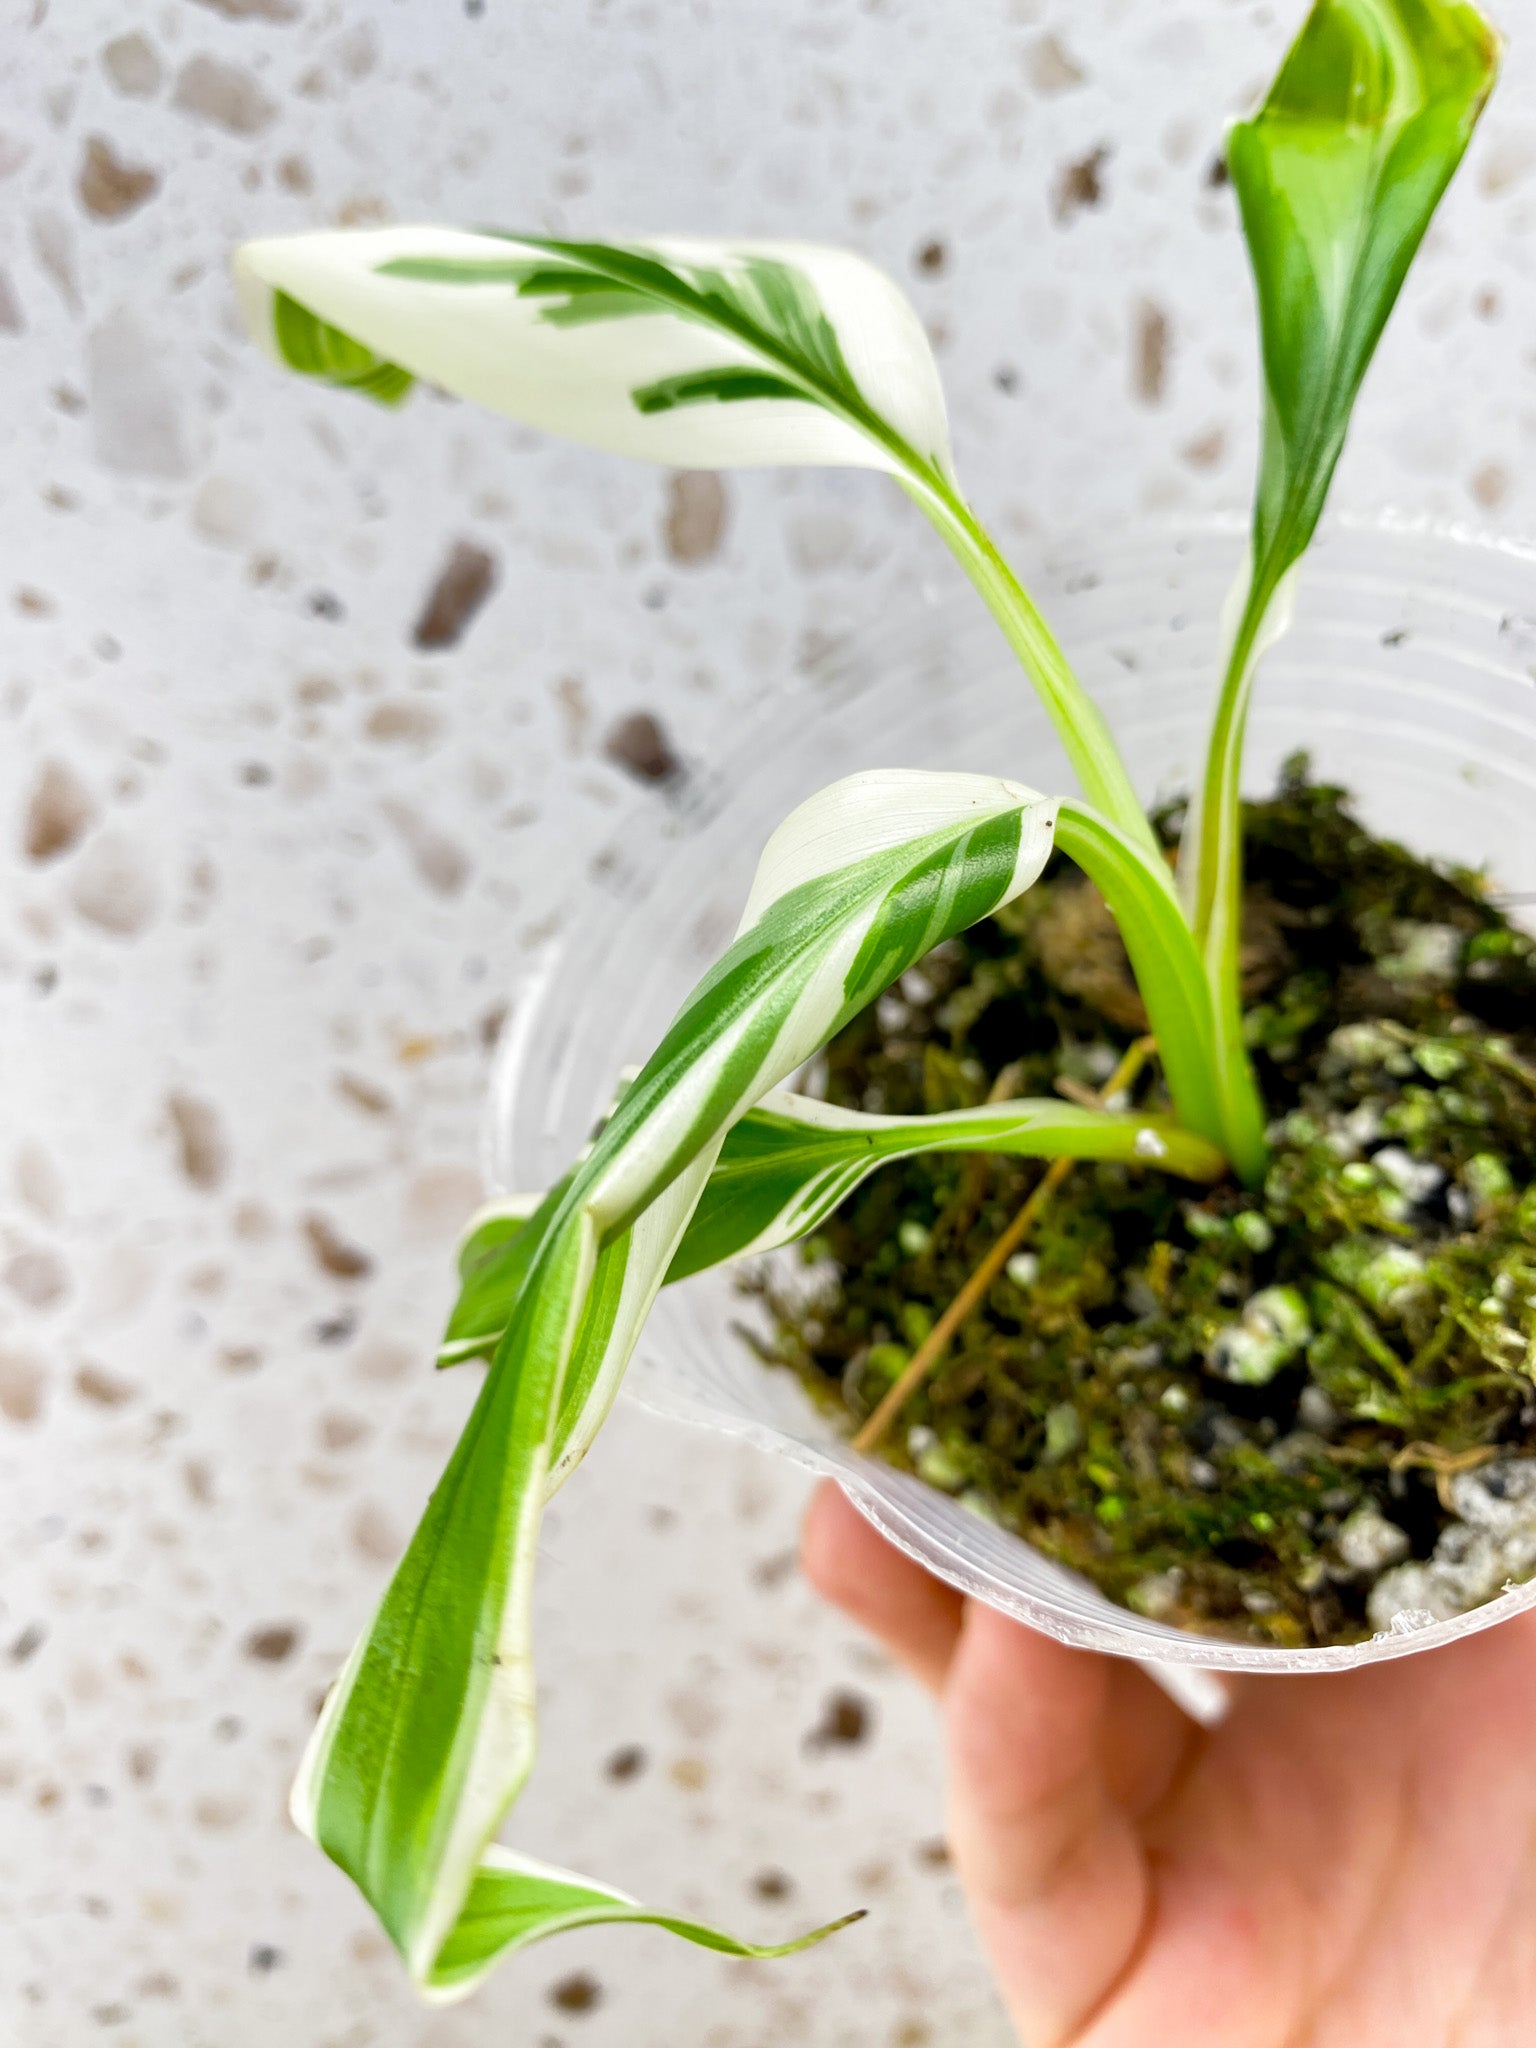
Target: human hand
[1347,1861]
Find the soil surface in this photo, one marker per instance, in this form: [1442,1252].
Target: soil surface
[1296,1416]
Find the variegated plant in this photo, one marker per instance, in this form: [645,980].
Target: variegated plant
[718,353]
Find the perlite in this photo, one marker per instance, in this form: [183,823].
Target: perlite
[1273,1328]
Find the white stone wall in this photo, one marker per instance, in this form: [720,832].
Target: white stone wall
[268,868]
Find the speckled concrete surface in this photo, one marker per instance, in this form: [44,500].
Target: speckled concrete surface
[268,867]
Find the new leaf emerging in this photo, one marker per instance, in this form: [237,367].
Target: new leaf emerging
[1337,176]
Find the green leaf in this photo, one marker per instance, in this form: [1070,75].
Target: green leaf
[429,1732]
[492,1230]
[787,1164]
[493,1263]
[1337,176]
[515,1901]
[307,344]
[783,1169]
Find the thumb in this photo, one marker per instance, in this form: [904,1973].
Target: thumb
[1051,1864]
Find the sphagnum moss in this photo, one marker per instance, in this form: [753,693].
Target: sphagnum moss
[1240,1412]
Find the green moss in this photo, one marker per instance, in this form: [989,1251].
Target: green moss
[1186,1397]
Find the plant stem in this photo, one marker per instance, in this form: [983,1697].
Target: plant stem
[1222,1102]
[936,1343]
[1165,960]
[1083,730]
[1212,859]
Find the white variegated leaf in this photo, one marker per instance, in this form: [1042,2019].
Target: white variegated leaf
[622,1295]
[429,1732]
[705,354]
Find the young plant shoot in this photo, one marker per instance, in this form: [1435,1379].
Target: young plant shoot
[723,353]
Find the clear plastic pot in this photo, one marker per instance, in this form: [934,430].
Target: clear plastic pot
[1408,676]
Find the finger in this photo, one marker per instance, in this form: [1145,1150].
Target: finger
[1148,1740]
[851,1564]
[1050,1862]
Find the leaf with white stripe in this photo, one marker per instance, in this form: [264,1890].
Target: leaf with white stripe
[705,354]
[1140,890]
[429,1732]
[1338,175]
[788,1163]
[515,1901]
[785,1167]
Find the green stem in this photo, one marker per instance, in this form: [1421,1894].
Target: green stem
[1078,720]
[1196,1015]
[1166,962]
[1212,859]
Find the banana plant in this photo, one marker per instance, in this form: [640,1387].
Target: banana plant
[719,353]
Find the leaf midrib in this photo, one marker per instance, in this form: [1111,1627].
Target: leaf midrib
[689,304]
